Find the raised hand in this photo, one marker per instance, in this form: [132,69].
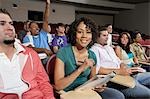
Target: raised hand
[48,1]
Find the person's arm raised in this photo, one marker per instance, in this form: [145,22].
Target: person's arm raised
[46,16]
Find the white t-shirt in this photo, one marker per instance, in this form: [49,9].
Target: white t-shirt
[106,57]
[10,74]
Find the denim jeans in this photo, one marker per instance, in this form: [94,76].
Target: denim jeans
[143,78]
[110,93]
[142,88]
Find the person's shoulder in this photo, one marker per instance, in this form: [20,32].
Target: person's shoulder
[133,44]
[56,37]
[29,50]
[108,46]
[43,32]
[117,47]
[64,51]
[25,37]
[65,48]
[95,46]
[91,53]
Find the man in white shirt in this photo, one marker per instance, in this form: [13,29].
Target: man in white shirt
[107,61]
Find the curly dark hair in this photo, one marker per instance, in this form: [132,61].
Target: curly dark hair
[4,11]
[127,47]
[73,28]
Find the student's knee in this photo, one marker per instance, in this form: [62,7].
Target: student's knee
[110,93]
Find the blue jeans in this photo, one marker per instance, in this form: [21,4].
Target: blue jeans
[139,91]
[142,88]
[143,78]
[110,93]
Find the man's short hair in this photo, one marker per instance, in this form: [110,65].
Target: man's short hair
[4,11]
[102,28]
[60,24]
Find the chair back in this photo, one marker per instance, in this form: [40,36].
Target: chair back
[50,66]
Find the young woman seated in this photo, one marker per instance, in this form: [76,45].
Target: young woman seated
[75,63]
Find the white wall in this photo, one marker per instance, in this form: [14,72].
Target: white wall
[99,19]
[0,3]
[63,13]
[134,19]
[139,18]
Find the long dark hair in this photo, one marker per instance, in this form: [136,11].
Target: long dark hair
[73,28]
[127,47]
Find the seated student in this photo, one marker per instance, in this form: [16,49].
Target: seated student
[67,28]
[39,38]
[137,49]
[123,50]
[126,56]
[107,61]
[22,33]
[22,75]
[110,30]
[60,39]
[75,63]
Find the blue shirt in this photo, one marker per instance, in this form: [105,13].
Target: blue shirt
[39,41]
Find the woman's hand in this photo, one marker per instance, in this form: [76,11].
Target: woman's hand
[100,88]
[137,69]
[48,1]
[124,70]
[87,63]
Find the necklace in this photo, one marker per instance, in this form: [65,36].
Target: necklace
[79,56]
